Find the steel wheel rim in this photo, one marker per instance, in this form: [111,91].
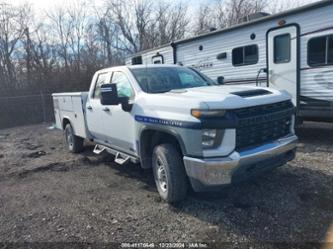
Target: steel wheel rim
[69,138]
[161,175]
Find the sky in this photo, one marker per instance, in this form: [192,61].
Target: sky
[44,5]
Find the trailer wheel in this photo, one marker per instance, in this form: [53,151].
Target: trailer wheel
[74,143]
[169,173]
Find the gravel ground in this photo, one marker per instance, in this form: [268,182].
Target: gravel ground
[50,195]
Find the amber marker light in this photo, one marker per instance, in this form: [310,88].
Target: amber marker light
[207,113]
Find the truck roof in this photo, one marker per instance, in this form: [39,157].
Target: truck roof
[137,66]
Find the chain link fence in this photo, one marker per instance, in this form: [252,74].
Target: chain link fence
[25,110]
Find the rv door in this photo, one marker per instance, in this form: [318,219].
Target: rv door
[282,59]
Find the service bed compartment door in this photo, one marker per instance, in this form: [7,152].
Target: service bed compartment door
[78,120]
[57,116]
[282,46]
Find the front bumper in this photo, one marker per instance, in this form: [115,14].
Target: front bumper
[208,173]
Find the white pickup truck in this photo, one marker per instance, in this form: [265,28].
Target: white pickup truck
[177,121]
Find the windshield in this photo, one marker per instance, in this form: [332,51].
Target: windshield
[164,79]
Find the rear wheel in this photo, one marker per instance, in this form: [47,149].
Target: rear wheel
[74,143]
[169,173]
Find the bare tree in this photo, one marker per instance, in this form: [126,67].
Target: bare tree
[206,19]
[105,32]
[145,24]
[235,10]
[77,13]
[11,31]
[43,51]
[225,13]
[172,22]
[123,16]
[28,51]
[279,6]
[62,27]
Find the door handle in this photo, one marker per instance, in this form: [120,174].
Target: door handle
[106,109]
[89,107]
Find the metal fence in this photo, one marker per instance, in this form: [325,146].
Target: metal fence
[26,109]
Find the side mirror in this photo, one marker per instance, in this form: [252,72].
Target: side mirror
[220,80]
[109,94]
[125,104]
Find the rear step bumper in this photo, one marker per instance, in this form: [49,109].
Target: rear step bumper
[209,173]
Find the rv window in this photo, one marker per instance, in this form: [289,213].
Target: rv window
[245,55]
[137,60]
[282,48]
[237,56]
[320,51]
[251,54]
[317,51]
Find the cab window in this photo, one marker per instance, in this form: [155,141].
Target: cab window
[102,78]
[123,85]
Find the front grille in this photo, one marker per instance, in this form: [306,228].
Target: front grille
[261,124]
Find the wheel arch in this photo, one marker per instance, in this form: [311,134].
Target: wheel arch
[66,120]
[152,136]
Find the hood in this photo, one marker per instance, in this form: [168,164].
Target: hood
[178,103]
[231,97]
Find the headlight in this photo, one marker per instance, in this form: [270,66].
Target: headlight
[209,138]
[207,113]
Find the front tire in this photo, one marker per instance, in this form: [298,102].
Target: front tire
[74,143]
[169,173]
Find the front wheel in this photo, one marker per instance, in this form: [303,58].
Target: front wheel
[169,173]
[74,143]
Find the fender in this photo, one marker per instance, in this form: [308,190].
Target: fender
[165,130]
[145,157]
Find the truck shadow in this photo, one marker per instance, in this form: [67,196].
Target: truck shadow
[134,171]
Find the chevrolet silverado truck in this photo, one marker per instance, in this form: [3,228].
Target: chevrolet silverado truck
[187,128]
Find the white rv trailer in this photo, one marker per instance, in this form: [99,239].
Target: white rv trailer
[292,50]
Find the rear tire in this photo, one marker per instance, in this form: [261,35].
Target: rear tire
[169,173]
[74,143]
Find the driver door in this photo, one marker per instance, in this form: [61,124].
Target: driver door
[119,128]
